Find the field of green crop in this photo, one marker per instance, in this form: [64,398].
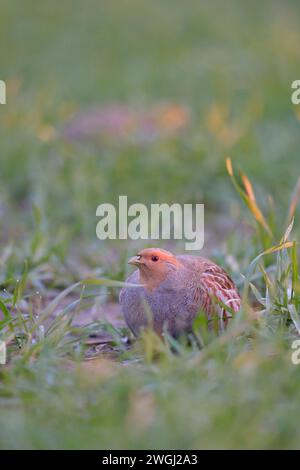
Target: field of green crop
[147,99]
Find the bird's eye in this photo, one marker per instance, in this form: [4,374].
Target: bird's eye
[154,258]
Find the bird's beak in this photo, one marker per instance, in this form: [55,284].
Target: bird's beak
[135,261]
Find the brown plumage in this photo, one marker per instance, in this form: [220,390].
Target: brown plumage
[171,290]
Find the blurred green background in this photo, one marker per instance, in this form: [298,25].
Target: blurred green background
[146,99]
[230,64]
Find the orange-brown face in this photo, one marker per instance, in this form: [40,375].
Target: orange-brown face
[154,264]
[153,258]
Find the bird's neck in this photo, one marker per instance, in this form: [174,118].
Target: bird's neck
[153,280]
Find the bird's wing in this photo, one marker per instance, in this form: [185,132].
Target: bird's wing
[213,281]
[218,291]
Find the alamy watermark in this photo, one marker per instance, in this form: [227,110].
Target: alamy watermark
[161,221]
[295,357]
[2,92]
[295,97]
[2,352]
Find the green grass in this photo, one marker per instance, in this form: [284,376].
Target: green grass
[232,68]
